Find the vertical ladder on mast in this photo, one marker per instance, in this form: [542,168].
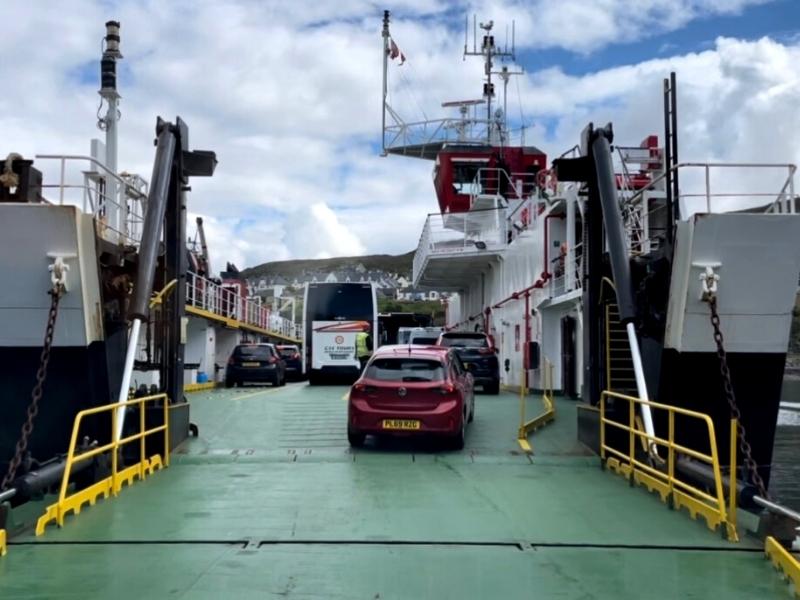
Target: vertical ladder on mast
[671,153]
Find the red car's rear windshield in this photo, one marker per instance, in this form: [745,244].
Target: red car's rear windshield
[405,370]
[465,341]
[288,351]
[424,341]
[253,352]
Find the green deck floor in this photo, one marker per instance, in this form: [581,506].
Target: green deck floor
[270,501]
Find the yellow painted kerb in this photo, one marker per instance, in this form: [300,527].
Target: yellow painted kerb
[3,542]
[199,387]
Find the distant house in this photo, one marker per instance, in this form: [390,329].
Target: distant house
[414,295]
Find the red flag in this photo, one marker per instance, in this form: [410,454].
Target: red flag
[402,59]
[394,51]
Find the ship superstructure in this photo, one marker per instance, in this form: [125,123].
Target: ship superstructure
[611,270]
[101,271]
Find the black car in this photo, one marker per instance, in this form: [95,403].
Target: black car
[479,356]
[294,361]
[255,363]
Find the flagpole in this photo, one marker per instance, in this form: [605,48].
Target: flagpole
[385,68]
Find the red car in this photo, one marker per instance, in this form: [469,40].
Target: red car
[411,390]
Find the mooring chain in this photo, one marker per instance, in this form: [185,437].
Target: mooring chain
[36,395]
[744,445]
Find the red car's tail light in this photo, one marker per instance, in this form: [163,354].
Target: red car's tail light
[272,360]
[486,351]
[296,356]
[363,387]
[446,389]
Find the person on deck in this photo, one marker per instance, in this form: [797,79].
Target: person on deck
[363,346]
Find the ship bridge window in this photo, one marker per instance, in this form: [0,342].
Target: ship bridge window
[465,177]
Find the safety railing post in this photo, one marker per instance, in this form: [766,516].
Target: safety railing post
[165,400]
[732,484]
[522,400]
[61,186]
[671,458]
[602,428]
[720,493]
[114,447]
[142,451]
[631,439]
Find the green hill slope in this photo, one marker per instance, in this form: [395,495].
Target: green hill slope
[400,264]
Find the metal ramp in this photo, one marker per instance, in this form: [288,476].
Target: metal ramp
[269,500]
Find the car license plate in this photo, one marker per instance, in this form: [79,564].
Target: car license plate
[250,364]
[401,424]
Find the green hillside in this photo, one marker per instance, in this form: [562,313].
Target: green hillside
[400,264]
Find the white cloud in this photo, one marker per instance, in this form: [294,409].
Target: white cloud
[317,232]
[288,95]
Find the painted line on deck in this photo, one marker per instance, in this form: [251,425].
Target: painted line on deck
[511,544]
[254,394]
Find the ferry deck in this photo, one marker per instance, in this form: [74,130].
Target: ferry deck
[269,501]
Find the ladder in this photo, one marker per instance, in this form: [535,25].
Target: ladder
[620,376]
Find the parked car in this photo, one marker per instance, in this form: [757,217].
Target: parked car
[411,390]
[255,363]
[479,356]
[424,336]
[294,361]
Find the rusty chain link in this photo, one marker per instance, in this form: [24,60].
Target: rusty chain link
[36,395]
[741,434]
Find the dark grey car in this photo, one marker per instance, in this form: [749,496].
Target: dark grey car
[255,363]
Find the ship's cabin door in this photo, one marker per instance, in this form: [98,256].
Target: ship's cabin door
[568,357]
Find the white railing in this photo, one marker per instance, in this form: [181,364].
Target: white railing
[403,136]
[225,301]
[119,215]
[700,184]
[567,271]
[499,183]
[462,233]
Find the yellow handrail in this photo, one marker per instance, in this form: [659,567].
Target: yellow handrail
[158,297]
[784,561]
[526,427]
[673,490]
[112,484]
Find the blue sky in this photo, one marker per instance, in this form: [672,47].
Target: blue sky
[779,19]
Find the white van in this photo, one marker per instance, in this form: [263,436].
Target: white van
[424,336]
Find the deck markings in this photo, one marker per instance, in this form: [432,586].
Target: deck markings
[253,394]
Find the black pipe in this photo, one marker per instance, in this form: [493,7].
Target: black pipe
[44,477]
[612,218]
[702,474]
[153,220]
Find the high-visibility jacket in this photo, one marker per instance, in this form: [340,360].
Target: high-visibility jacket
[361,344]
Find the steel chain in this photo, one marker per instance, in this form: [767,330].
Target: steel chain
[744,445]
[36,395]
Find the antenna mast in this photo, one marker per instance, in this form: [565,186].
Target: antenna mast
[385,86]
[489,51]
[108,123]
